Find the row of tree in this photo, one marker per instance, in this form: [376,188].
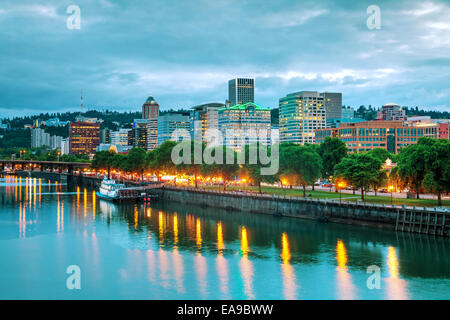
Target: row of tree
[424,166]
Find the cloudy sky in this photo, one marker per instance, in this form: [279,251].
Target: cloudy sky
[183,52]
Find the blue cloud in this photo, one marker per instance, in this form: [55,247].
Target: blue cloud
[184,52]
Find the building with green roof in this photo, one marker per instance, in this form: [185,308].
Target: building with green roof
[243,124]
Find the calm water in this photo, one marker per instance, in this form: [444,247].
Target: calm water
[175,251]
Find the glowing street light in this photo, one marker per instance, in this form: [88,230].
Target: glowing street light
[391,189]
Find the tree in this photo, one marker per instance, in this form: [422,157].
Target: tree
[103,160]
[191,168]
[332,151]
[411,163]
[223,163]
[299,164]
[161,158]
[253,170]
[381,154]
[360,169]
[437,164]
[136,161]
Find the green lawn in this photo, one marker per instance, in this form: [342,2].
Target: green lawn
[335,195]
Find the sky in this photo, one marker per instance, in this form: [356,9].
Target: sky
[184,52]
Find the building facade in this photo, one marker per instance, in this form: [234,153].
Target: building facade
[150,112]
[204,121]
[301,113]
[170,127]
[39,138]
[333,104]
[392,112]
[244,124]
[119,137]
[84,137]
[140,136]
[389,135]
[241,91]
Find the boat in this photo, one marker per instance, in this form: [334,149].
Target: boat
[110,190]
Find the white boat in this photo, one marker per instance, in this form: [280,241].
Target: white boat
[110,190]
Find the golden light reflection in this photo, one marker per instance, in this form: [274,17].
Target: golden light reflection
[396,287]
[136,217]
[175,230]
[161,226]
[85,201]
[220,243]
[289,280]
[198,234]
[94,200]
[149,212]
[346,288]
[246,266]
[221,263]
[78,198]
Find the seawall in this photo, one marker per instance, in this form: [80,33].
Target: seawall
[406,219]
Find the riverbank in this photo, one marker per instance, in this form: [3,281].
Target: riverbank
[400,218]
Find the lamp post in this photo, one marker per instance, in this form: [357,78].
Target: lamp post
[391,188]
[340,185]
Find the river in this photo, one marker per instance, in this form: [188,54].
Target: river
[175,251]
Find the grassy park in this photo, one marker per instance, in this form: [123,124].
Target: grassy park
[316,194]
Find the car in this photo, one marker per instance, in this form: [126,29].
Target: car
[327,185]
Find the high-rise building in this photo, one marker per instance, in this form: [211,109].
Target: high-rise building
[244,124]
[150,108]
[55,142]
[140,127]
[105,136]
[150,111]
[241,91]
[301,113]
[204,120]
[173,126]
[39,138]
[332,102]
[84,137]
[119,137]
[391,112]
[65,146]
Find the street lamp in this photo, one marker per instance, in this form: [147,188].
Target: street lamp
[391,189]
[340,185]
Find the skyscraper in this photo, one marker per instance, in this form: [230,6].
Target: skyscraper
[333,104]
[150,108]
[204,120]
[173,126]
[241,91]
[150,111]
[300,114]
[244,124]
[84,137]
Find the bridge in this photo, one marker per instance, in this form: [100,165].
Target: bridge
[51,166]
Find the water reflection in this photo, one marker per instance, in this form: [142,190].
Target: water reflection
[287,270]
[396,287]
[221,263]
[246,266]
[195,252]
[344,279]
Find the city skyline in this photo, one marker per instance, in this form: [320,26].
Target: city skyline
[45,64]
